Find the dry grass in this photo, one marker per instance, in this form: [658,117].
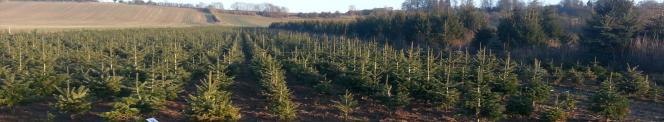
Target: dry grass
[260,21]
[60,16]
[64,15]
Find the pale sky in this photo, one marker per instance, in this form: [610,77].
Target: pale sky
[295,6]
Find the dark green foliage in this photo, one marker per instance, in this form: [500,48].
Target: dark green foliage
[449,99]
[399,97]
[472,17]
[493,107]
[324,86]
[73,101]
[480,101]
[557,74]
[612,26]
[568,102]
[273,82]
[507,82]
[551,23]
[487,37]
[554,115]
[522,28]
[127,109]
[608,103]
[346,105]
[635,83]
[46,84]
[14,91]
[140,69]
[520,106]
[211,103]
[435,30]
[598,72]
[107,88]
[146,98]
[577,76]
[536,89]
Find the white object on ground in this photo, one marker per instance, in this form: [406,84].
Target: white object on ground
[152,120]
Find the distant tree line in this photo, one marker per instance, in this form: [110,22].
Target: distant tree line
[263,9]
[351,12]
[336,14]
[56,0]
[404,27]
[602,26]
[213,5]
[617,32]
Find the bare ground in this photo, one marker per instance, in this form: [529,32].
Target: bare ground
[63,15]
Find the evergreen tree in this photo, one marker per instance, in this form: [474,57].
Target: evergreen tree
[612,25]
[73,101]
[551,23]
[346,105]
[607,102]
[507,82]
[554,114]
[522,28]
[635,84]
[108,87]
[211,103]
[479,100]
[15,91]
[569,102]
[141,101]
[471,16]
[536,89]
[520,106]
[127,109]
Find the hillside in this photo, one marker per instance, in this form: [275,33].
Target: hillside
[31,15]
[260,21]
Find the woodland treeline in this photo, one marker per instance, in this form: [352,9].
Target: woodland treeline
[573,30]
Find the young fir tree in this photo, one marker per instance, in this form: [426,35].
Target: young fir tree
[141,101]
[607,102]
[569,102]
[577,76]
[635,84]
[536,89]
[14,91]
[449,94]
[346,105]
[558,74]
[107,87]
[555,114]
[73,101]
[558,112]
[211,103]
[274,84]
[124,110]
[478,100]
[520,106]
[507,83]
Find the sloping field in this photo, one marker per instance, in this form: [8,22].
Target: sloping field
[260,21]
[32,15]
